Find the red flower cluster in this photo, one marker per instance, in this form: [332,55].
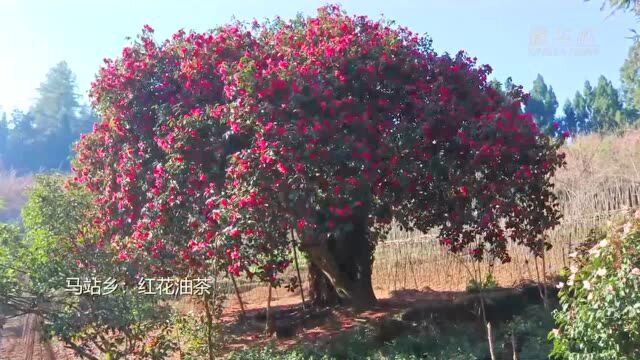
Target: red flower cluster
[339,115]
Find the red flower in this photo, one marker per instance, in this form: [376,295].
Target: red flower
[234,232]
[216,111]
[234,269]
[158,170]
[122,255]
[266,159]
[371,69]
[282,168]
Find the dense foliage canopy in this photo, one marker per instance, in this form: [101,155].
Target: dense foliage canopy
[218,145]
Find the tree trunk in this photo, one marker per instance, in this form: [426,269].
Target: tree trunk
[346,262]
[321,290]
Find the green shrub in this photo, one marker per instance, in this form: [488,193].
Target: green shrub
[475,285]
[37,260]
[200,334]
[599,316]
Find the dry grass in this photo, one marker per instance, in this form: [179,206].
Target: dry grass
[12,197]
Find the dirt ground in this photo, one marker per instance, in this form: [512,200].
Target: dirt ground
[19,338]
[332,323]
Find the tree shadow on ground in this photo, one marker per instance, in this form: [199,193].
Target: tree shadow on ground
[406,311]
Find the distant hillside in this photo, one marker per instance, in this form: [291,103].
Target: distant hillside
[595,158]
[12,188]
[602,175]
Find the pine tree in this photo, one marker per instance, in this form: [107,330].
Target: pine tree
[607,112]
[4,137]
[55,116]
[543,104]
[570,120]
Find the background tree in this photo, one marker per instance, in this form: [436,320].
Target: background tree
[42,137]
[55,114]
[57,103]
[583,113]
[504,89]
[22,143]
[542,104]
[589,96]
[630,78]
[83,123]
[496,84]
[570,118]
[4,137]
[607,113]
[624,5]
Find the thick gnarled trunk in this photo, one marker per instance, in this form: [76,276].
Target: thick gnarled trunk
[346,262]
[321,290]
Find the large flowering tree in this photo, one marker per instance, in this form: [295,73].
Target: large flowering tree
[221,145]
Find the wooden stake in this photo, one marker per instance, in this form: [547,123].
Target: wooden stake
[540,290]
[207,308]
[484,315]
[295,258]
[268,325]
[490,339]
[544,279]
[235,287]
[513,343]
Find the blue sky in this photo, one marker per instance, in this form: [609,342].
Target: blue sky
[567,41]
